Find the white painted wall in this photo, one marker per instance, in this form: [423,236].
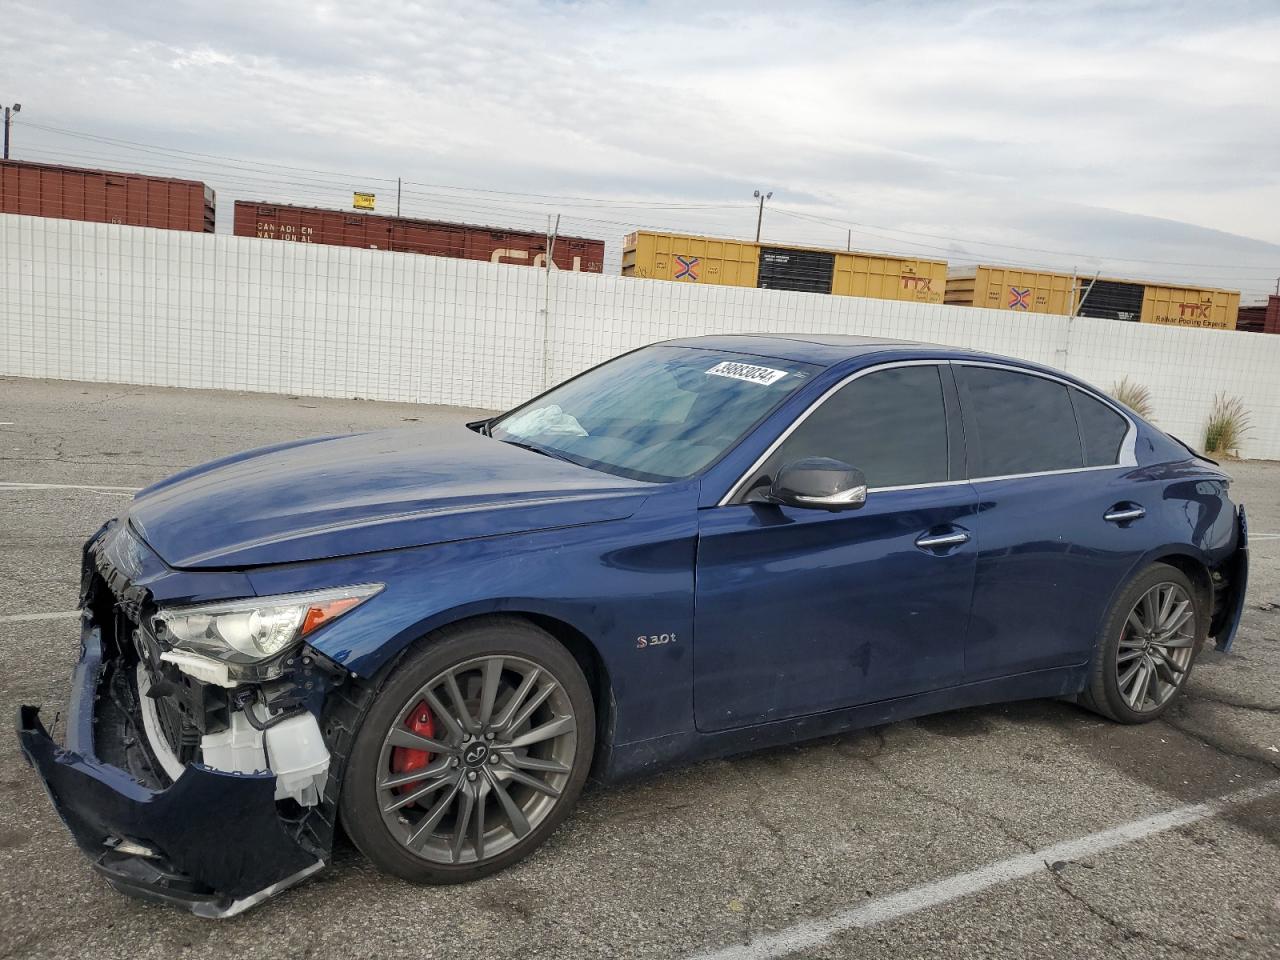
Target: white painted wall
[85,301]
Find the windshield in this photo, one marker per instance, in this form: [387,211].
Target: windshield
[660,413]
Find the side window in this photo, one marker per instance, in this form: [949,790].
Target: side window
[1025,424]
[1102,430]
[891,425]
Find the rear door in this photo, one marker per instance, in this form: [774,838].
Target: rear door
[800,611]
[1053,469]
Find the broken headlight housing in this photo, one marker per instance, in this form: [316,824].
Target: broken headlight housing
[256,629]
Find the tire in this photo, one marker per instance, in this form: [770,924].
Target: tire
[486,784]
[1123,647]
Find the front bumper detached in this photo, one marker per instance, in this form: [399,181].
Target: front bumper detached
[212,841]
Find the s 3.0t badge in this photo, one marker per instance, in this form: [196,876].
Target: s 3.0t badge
[643,642]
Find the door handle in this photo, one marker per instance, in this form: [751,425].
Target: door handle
[1121,513]
[931,541]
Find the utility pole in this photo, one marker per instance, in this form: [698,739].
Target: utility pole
[17,108]
[762,197]
[552,233]
[548,266]
[397,196]
[1075,312]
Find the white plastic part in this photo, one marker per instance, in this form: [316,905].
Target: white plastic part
[298,758]
[237,749]
[292,749]
[133,849]
[204,669]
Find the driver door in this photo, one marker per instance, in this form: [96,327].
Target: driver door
[799,611]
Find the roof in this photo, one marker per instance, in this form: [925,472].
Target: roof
[824,349]
[827,350]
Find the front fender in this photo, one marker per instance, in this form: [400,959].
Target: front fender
[611,582]
[569,614]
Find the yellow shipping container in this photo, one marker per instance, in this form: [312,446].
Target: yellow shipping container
[690,259]
[1042,291]
[693,259]
[1191,307]
[889,278]
[1008,288]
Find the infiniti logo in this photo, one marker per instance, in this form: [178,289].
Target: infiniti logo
[475,754]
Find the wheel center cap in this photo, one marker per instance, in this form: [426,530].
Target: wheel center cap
[475,755]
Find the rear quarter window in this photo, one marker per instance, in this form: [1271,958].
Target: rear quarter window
[1102,429]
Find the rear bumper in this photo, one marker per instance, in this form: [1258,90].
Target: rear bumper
[1237,576]
[213,842]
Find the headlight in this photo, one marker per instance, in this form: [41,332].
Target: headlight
[247,631]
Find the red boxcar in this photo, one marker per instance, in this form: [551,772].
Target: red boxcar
[275,221]
[1261,319]
[103,196]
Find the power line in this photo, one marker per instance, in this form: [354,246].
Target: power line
[241,163]
[638,204]
[306,189]
[1247,281]
[267,175]
[1006,246]
[475,211]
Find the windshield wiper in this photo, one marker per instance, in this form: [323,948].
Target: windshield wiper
[545,451]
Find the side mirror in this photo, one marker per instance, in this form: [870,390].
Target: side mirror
[821,483]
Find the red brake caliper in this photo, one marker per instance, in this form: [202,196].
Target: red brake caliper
[408,759]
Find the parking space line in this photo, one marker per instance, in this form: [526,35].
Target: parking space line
[30,617]
[15,485]
[814,933]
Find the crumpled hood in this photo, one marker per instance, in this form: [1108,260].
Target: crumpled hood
[338,496]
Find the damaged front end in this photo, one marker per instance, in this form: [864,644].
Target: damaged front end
[186,778]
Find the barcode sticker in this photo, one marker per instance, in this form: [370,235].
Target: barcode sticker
[748,372]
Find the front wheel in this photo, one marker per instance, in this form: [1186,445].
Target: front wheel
[1150,640]
[471,754]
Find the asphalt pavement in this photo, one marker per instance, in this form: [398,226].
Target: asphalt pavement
[1031,829]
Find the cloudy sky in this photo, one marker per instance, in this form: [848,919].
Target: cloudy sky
[1139,139]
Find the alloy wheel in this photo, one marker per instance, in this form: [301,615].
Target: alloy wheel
[476,759]
[1155,648]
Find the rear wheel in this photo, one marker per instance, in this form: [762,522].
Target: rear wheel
[471,755]
[1150,640]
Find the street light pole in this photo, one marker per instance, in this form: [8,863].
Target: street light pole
[762,197]
[17,108]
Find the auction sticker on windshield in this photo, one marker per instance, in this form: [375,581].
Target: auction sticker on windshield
[747,371]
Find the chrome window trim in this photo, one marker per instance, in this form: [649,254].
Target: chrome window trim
[1128,446]
[1006,476]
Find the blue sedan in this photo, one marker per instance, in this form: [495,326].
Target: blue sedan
[700,547]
